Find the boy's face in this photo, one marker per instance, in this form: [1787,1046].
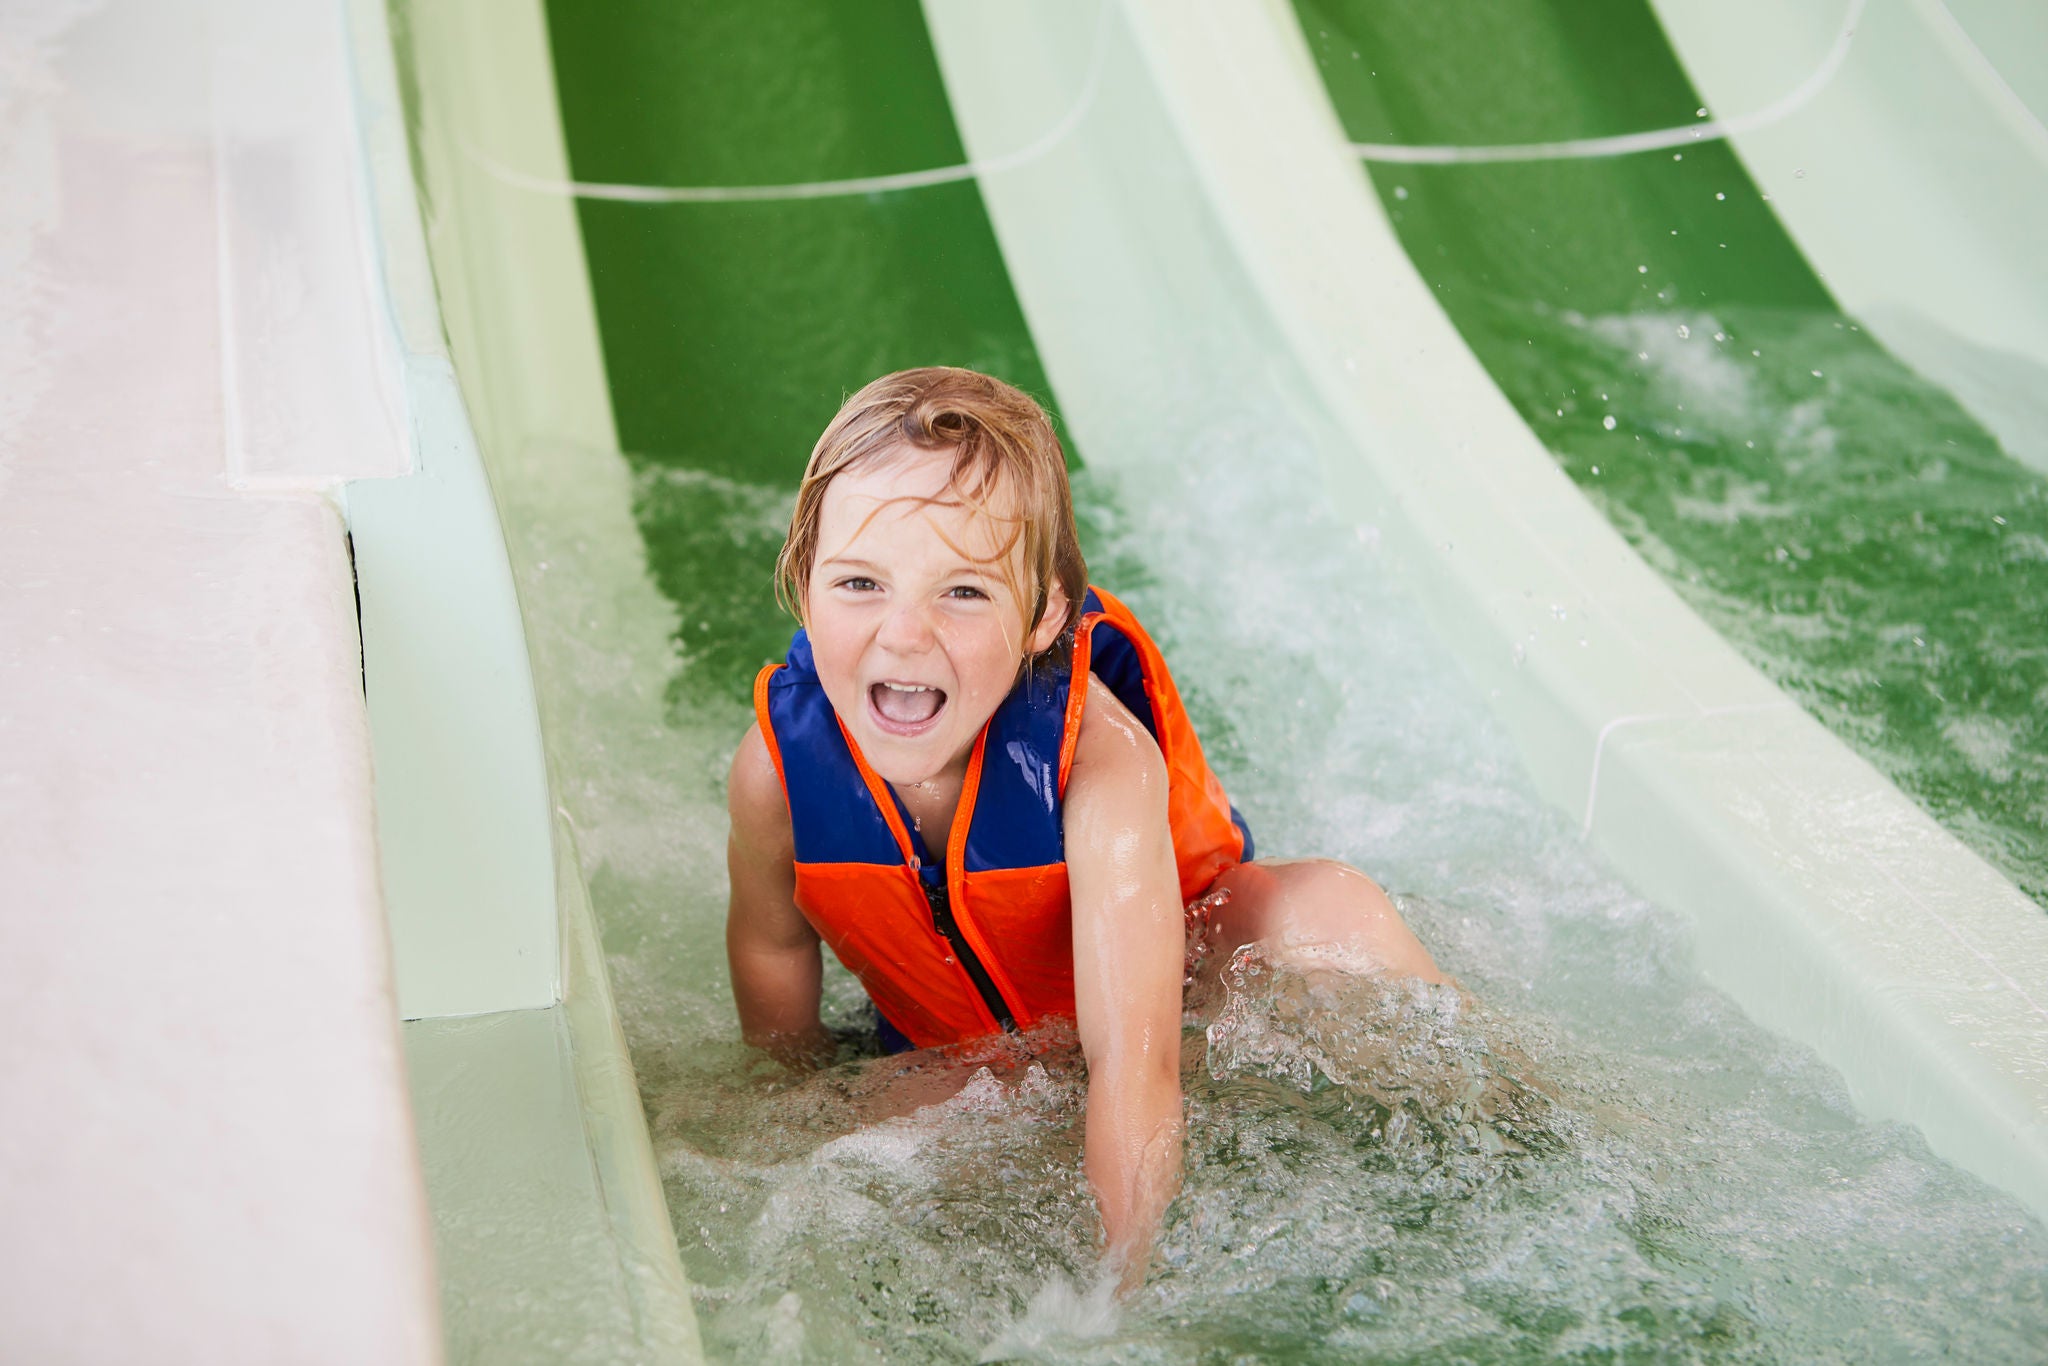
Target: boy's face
[915,629]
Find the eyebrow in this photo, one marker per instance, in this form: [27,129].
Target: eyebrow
[846,562]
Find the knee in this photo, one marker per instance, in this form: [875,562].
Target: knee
[1328,888]
[1308,906]
[1336,906]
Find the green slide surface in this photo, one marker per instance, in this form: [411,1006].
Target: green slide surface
[668,239]
[1846,523]
[732,330]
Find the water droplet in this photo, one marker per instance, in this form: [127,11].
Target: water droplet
[1608,422]
[1684,332]
[1678,156]
[1816,374]
[1799,175]
[1642,270]
[1596,469]
[1400,192]
[1720,336]
[1699,113]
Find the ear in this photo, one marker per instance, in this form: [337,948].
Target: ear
[1051,624]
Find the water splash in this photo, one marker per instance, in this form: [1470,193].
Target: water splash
[1841,521]
[1585,1152]
[1058,1320]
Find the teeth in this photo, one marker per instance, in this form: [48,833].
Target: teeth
[906,704]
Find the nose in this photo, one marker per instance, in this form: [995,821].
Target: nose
[906,630]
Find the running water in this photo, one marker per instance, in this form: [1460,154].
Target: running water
[1586,1151]
[1844,523]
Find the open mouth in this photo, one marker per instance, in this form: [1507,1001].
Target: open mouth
[905,708]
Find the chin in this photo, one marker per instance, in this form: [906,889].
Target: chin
[896,763]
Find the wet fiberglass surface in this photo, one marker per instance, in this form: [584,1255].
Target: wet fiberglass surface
[732,330]
[1594,1153]
[1588,1155]
[1839,519]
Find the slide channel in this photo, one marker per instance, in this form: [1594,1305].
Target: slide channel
[653,307]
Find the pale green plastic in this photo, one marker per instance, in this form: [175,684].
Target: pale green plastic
[1913,173]
[1204,229]
[553,1241]
[1203,226]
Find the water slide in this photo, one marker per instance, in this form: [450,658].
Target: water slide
[1513,302]
[1586,464]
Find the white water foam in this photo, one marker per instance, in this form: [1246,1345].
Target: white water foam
[1587,1152]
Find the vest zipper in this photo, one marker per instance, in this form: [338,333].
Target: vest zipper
[942,920]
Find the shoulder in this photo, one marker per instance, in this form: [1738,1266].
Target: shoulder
[755,798]
[1118,770]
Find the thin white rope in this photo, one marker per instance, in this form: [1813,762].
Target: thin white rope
[815,189]
[1627,144]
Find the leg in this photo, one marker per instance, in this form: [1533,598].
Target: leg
[1313,913]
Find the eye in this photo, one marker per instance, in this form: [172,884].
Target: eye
[966,592]
[857,583]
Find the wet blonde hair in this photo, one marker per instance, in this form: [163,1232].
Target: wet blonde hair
[1007,465]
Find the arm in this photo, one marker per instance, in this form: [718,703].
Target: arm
[776,967]
[1129,950]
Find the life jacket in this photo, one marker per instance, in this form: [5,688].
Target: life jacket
[982,940]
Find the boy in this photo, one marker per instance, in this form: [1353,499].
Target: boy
[973,777]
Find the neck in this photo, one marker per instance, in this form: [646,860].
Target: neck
[933,805]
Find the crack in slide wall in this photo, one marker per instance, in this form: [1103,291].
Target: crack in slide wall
[1825,902]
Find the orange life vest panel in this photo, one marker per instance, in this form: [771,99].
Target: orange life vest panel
[982,940]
